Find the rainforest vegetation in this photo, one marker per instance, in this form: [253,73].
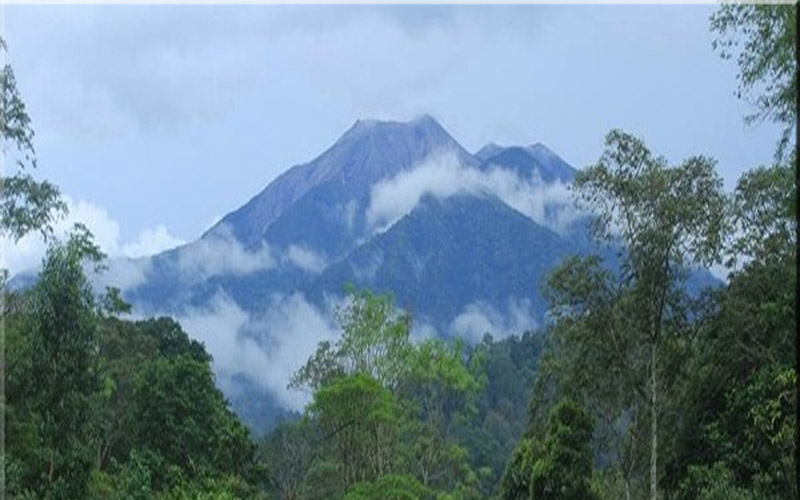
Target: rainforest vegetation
[635,388]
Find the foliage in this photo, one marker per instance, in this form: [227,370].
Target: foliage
[375,341]
[559,467]
[617,334]
[516,481]
[358,418]
[288,450]
[762,229]
[762,38]
[26,205]
[565,468]
[389,487]
[99,407]
[507,370]
[383,407]
[56,371]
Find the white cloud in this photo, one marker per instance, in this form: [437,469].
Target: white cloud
[150,242]
[479,318]
[122,272]
[268,348]
[442,175]
[306,259]
[220,253]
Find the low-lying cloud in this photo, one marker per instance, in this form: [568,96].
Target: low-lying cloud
[218,253]
[27,253]
[442,175]
[266,348]
[479,318]
[306,259]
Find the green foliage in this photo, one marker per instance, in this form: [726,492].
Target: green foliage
[97,407]
[507,371]
[558,468]
[128,481]
[182,419]
[565,468]
[715,482]
[516,481]
[738,401]
[616,336]
[382,408]
[289,451]
[57,372]
[375,341]
[389,487]
[762,228]
[26,205]
[358,418]
[762,40]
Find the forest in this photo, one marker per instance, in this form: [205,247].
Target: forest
[635,388]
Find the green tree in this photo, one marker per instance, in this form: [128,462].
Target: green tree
[559,467]
[375,341]
[358,419]
[26,205]
[738,399]
[441,389]
[182,422]
[762,230]
[516,481]
[389,487]
[665,219]
[59,373]
[564,470]
[287,452]
[762,40]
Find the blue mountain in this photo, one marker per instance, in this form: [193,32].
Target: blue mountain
[450,253]
[467,258]
[525,161]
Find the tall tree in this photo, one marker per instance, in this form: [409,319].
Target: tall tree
[665,219]
[359,419]
[565,468]
[26,204]
[60,373]
[375,341]
[762,40]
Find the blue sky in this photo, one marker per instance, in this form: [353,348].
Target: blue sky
[156,120]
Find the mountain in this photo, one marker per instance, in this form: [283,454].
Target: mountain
[325,187]
[525,161]
[311,215]
[449,254]
[463,242]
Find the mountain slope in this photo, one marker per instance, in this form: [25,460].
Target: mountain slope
[449,254]
[368,152]
[527,161]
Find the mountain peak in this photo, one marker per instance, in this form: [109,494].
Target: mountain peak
[423,125]
[524,160]
[369,151]
[488,151]
[539,149]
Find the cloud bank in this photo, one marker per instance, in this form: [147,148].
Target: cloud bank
[442,175]
[266,348]
[27,253]
[479,318]
[219,252]
[306,259]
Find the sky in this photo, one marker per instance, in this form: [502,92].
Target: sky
[155,121]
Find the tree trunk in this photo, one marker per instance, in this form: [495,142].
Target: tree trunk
[653,427]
